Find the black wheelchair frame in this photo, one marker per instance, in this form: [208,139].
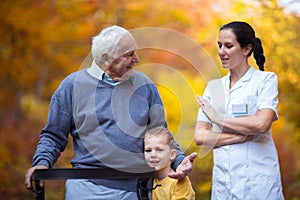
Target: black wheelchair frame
[72,173]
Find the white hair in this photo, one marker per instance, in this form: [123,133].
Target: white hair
[107,42]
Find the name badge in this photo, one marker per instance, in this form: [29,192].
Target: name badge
[240,109]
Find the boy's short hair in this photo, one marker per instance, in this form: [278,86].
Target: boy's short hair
[161,131]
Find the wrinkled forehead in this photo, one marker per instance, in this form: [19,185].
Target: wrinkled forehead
[126,44]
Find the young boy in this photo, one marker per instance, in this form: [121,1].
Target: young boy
[159,153]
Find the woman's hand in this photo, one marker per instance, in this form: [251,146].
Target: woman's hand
[207,109]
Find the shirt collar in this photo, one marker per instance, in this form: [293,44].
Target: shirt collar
[246,77]
[248,74]
[95,71]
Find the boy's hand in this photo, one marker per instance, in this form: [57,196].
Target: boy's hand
[185,167]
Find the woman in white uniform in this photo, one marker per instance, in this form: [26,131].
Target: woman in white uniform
[235,117]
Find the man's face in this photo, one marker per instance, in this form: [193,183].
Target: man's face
[122,67]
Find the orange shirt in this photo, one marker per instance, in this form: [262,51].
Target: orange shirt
[173,189]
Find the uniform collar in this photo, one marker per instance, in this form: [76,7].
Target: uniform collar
[247,76]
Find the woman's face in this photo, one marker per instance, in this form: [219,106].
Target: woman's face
[230,51]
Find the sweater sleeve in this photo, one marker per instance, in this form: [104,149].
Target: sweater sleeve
[54,136]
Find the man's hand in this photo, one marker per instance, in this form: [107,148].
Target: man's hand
[29,174]
[185,167]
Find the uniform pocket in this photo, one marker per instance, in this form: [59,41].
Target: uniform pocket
[243,105]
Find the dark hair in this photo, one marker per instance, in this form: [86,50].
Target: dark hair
[246,35]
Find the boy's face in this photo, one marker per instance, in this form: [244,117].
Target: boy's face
[158,153]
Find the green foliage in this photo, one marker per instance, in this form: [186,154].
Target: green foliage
[43,41]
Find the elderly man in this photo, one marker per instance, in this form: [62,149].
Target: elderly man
[106,108]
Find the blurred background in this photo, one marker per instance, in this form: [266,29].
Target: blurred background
[43,41]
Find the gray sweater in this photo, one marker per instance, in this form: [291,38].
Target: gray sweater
[107,124]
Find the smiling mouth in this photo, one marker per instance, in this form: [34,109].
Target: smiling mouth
[154,163]
[224,59]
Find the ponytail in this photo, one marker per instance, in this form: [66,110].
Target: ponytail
[259,54]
